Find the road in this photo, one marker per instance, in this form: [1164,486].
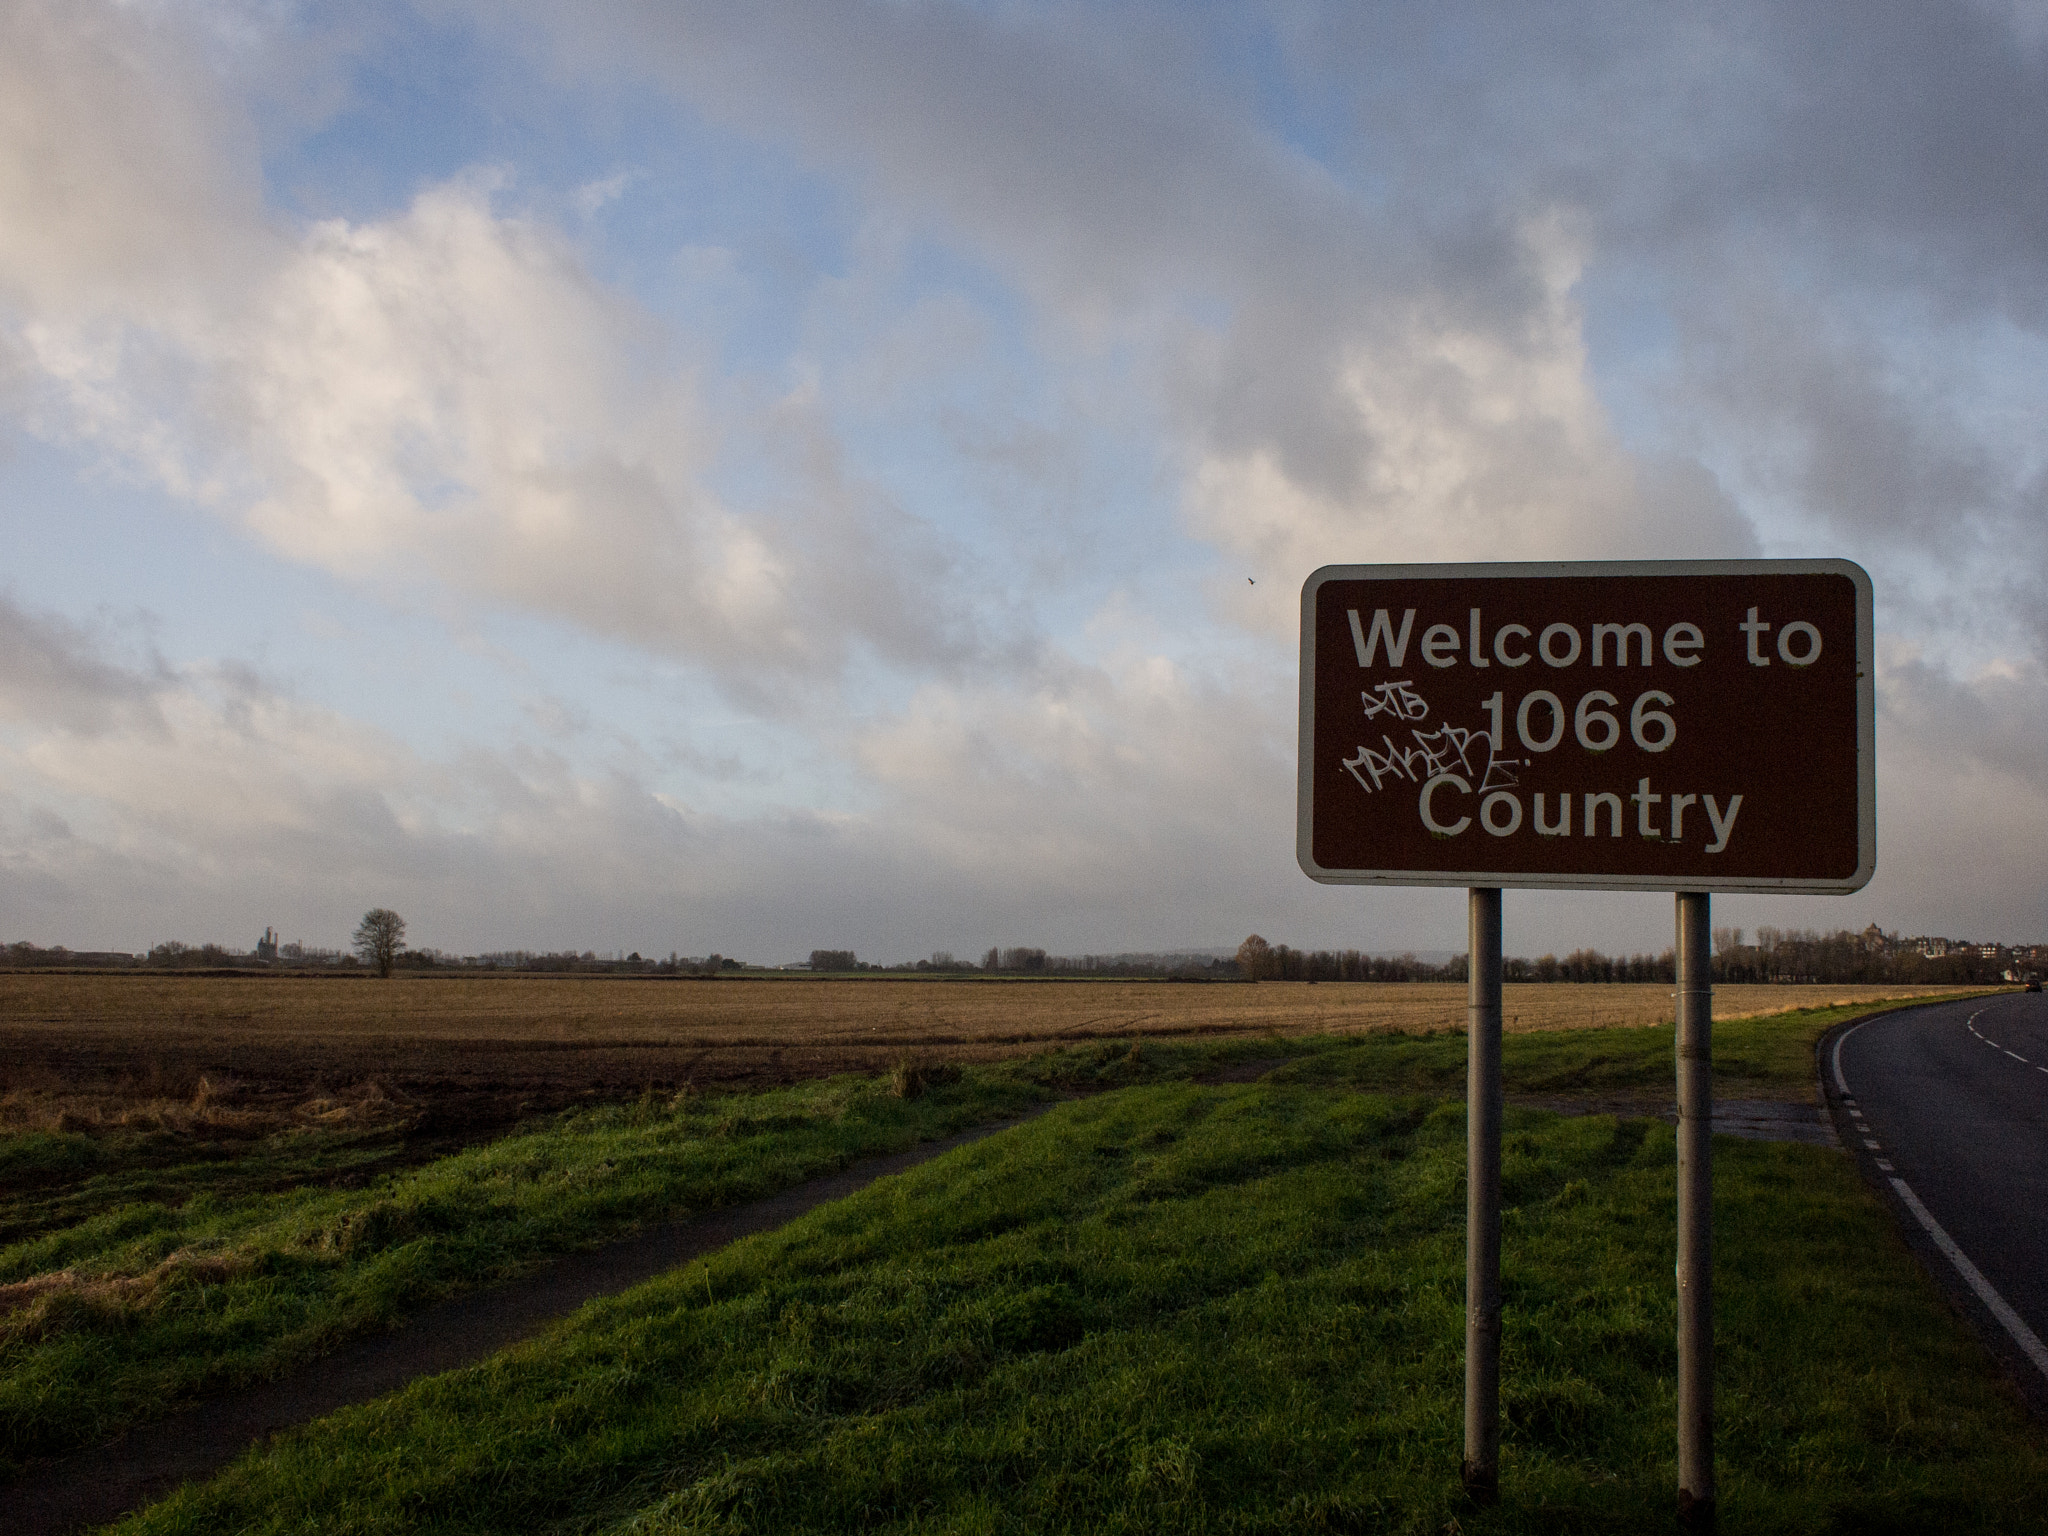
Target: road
[1948,1108]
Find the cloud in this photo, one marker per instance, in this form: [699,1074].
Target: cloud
[129,181]
[1088,156]
[56,673]
[1962,799]
[443,394]
[1468,443]
[138,792]
[447,393]
[1340,378]
[1332,283]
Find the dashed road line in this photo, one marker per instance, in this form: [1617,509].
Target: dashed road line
[2028,1341]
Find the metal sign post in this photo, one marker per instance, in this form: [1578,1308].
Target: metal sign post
[1482,1200]
[1695,1212]
[1685,726]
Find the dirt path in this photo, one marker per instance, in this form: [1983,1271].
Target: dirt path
[97,1486]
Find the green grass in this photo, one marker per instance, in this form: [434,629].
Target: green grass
[1770,1056]
[51,1180]
[1187,1309]
[174,1297]
[185,1272]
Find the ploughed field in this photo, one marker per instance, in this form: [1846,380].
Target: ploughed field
[452,1057]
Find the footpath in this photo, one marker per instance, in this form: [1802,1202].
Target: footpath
[100,1485]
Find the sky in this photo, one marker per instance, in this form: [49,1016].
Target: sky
[772,476]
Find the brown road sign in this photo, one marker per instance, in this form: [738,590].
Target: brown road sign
[1667,725]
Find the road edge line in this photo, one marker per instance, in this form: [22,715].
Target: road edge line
[2028,1341]
[2015,1326]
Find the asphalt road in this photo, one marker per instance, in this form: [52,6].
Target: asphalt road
[1947,1107]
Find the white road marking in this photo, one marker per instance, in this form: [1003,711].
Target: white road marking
[2028,1341]
[2025,1337]
[2016,1056]
[1870,1144]
[1842,1082]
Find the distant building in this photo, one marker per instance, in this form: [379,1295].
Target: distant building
[266,947]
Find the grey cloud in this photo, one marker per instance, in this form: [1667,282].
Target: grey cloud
[1900,134]
[1124,182]
[1911,131]
[1092,148]
[1962,802]
[126,177]
[1872,441]
[1854,444]
[1996,723]
[56,673]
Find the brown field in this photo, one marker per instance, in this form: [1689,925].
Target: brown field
[229,1053]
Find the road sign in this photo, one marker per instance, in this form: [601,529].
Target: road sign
[1697,725]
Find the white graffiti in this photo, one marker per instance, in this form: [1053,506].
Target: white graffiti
[1397,699]
[1447,749]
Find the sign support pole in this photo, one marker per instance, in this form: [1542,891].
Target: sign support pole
[1695,1213]
[1482,1199]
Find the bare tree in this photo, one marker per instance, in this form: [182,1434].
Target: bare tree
[378,936]
[1254,958]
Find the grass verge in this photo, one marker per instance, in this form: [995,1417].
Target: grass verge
[51,1180]
[1770,1056]
[198,1275]
[1198,1309]
[151,1302]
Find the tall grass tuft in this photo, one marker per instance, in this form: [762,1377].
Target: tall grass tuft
[910,1079]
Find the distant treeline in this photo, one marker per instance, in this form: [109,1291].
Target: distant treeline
[296,957]
[1776,955]
[1259,961]
[570,962]
[1183,965]
[1779,954]
[1773,955]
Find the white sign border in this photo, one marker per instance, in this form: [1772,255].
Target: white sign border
[1866,723]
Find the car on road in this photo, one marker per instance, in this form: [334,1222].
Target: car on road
[2034,984]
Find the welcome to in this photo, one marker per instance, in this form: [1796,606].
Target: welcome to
[1559,645]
